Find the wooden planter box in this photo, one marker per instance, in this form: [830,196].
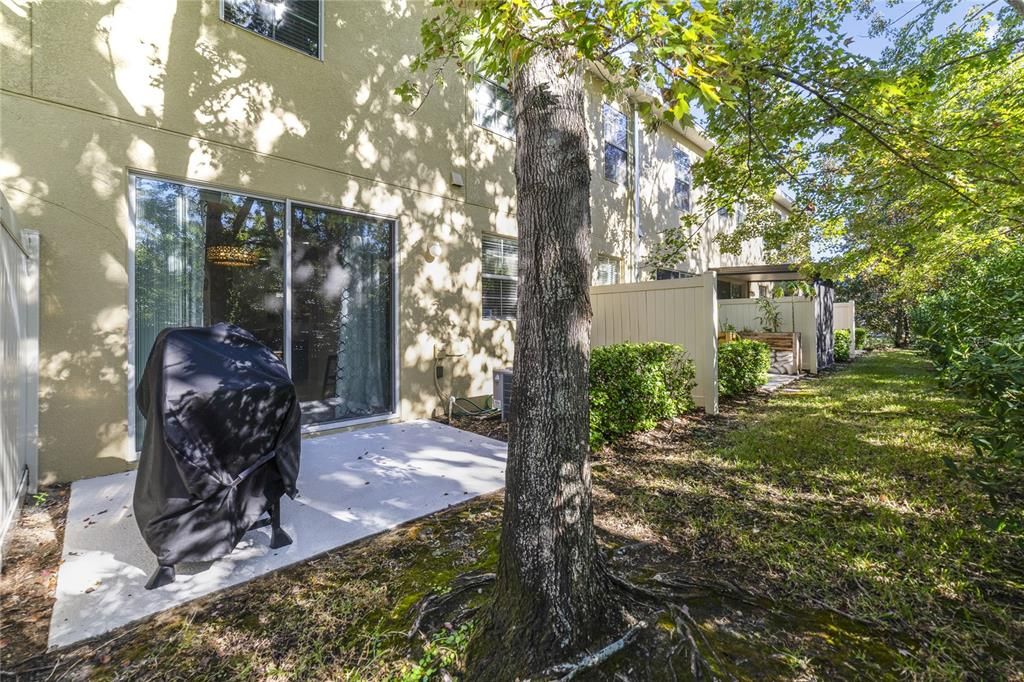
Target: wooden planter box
[785,348]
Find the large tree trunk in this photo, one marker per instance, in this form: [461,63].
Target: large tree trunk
[550,595]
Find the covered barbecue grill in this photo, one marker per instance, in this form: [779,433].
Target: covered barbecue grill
[221,444]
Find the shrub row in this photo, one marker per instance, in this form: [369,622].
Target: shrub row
[841,345]
[742,366]
[862,338]
[633,386]
[973,331]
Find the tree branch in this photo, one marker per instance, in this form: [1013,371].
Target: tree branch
[839,109]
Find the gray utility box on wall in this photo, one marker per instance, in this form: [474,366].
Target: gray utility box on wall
[503,392]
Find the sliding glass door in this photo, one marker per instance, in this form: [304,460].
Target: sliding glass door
[204,256]
[342,343]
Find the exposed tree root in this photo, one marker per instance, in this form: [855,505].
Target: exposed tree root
[438,603]
[669,593]
[669,596]
[567,671]
[722,587]
[699,667]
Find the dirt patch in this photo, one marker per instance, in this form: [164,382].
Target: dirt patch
[29,581]
[490,426]
[344,614]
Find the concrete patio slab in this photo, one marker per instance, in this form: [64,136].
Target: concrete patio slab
[351,485]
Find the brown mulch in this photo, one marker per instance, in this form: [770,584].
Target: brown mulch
[29,580]
[490,426]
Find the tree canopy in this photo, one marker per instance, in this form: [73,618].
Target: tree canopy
[896,164]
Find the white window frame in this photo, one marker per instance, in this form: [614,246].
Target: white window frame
[687,180]
[393,413]
[320,31]
[507,278]
[671,274]
[605,143]
[474,103]
[605,259]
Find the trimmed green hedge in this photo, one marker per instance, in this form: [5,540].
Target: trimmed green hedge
[862,338]
[842,345]
[633,386]
[743,366]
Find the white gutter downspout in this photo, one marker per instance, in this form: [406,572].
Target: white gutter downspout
[638,234]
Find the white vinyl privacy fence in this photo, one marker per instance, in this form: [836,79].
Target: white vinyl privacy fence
[19,352]
[796,314]
[680,311]
[844,317]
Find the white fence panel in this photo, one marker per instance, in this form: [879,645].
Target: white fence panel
[680,311]
[845,317]
[796,314]
[19,348]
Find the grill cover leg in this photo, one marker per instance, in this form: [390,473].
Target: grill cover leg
[278,538]
[163,575]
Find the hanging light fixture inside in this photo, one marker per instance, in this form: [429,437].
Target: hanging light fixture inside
[231,256]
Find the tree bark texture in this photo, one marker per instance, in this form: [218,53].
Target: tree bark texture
[551,592]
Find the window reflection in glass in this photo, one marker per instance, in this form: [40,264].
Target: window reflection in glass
[342,344]
[493,108]
[616,142]
[203,256]
[295,23]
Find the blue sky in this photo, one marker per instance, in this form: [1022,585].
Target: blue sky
[901,12]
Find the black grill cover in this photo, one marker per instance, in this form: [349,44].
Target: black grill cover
[221,443]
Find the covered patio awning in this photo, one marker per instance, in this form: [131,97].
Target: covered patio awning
[785,272]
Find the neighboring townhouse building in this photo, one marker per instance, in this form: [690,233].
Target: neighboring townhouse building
[201,160]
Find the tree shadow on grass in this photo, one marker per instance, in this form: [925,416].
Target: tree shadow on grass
[809,499]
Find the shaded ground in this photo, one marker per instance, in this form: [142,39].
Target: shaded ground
[815,534]
[29,578]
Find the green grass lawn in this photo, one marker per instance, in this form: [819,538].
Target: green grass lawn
[835,496]
[818,531]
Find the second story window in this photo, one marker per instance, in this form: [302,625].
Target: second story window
[607,270]
[295,23]
[500,277]
[616,144]
[683,179]
[493,108]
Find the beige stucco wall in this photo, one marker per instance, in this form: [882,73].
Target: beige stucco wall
[658,214]
[94,90]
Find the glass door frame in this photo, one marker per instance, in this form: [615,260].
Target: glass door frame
[131,367]
[393,412]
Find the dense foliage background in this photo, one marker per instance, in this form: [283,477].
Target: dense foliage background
[972,328]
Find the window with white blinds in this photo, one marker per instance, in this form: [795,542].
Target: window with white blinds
[295,23]
[500,277]
[606,270]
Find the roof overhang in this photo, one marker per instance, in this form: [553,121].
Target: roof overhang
[785,272]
